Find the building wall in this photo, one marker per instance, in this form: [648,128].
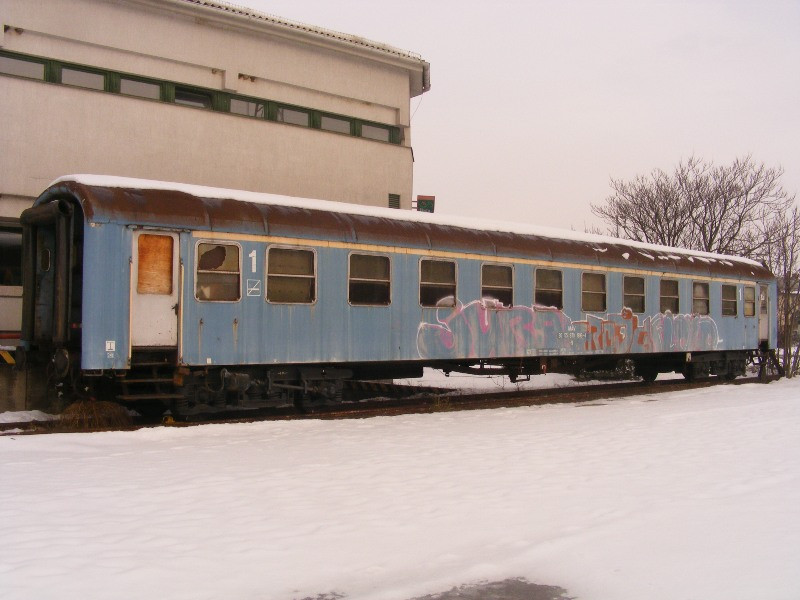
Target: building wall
[55,129]
[50,129]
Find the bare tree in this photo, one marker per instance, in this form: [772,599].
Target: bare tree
[739,209]
[728,209]
[783,257]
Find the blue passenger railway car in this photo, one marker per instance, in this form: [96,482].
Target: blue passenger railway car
[191,298]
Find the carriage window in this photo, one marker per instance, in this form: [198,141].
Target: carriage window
[218,275]
[369,281]
[154,253]
[497,282]
[700,304]
[437,283]
[291,277]
[593,296]
[11,257]
[729,308]
[549,289]
[633,293]
[749,301]
[669,296]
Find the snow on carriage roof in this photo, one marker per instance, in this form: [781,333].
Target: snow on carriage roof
[665,252]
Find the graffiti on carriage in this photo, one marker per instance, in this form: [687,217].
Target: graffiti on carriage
[477,329]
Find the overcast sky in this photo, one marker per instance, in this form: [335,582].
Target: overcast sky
[535,105]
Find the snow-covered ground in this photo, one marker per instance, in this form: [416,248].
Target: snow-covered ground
[687,495]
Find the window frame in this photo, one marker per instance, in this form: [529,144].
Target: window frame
[116,85]
[197,269]
[536,287]
[751,302]
[267,274]
[626,294]
[727,301]
[220,99]
[706,298]
[662,296]
[431,284]
[484,287]
[58,76]
[350,279]
[584,291]
[46,70]
[230,98]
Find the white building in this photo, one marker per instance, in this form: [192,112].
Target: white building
[200,92]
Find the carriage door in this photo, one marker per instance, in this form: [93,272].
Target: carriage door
[763,313]
[154,289]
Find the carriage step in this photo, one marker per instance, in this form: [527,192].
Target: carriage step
[149,380]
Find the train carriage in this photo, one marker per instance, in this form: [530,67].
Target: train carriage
[189,297]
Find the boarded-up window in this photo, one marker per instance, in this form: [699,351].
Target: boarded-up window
[549,289]
[369,281]
[633,293]
[749,301]
[218,277]
[437,283]
[155,264]
[290,276]
[497,283]
[700,303]
[593,296]
[729,308]
[670,301]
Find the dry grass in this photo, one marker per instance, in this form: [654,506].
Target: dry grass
[86,415]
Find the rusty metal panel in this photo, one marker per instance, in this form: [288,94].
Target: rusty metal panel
[155,264]
[178,209]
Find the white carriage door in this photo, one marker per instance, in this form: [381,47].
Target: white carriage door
[763,313]
[154,289]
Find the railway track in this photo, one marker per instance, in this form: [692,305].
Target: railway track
[416,400]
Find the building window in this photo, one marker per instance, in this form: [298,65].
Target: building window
[497,283]
[154,254]
[729,308]
[700,303]
[549,289]
[291,276]
[633,293]
[55,71]
[249,108]
[593,292]
[292,116]
[437,283]
[218,272]
[394,200]
[369,281]
[329,123]
[190,97]
[670,301]
[374,132]
[21,68]
[749,301]
[84,79]
[141,89]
